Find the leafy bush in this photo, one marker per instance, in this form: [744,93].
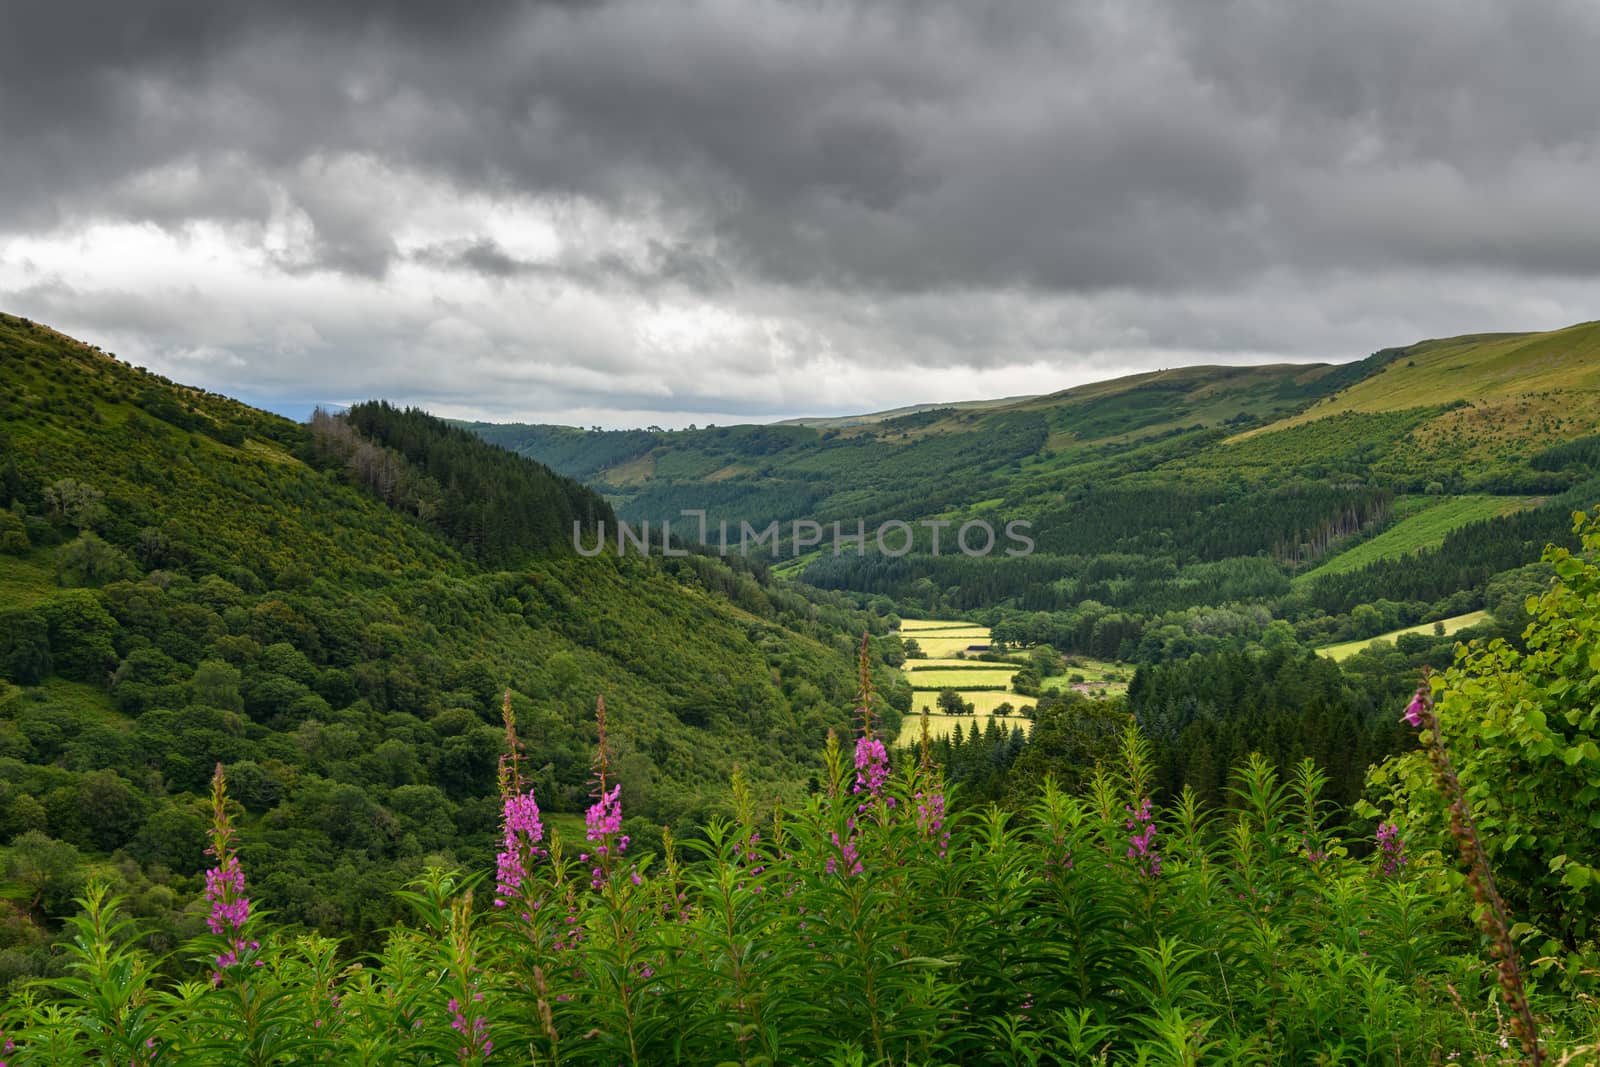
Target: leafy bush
[1523,725]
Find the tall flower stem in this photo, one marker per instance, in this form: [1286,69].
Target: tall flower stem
[1492,916]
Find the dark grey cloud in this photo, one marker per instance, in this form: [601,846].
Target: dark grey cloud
[702,197]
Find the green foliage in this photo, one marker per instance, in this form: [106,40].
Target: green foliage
[24,647]
[1522,728]
[845,930]
[13,534]
[82,633]
[87,560]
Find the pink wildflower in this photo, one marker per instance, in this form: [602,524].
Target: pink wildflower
[522,832]
[1391,849]
[930,819]
[230,908]
[1141,827]
[872,766]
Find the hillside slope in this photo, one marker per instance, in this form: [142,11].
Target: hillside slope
[1486,369]
[1158,497]
[186,580]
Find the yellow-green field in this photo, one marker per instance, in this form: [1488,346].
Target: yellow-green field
[1426,527]
[1562,367]
[1459,622]
[929,676]
[960,679]
[943,639]
[942,725]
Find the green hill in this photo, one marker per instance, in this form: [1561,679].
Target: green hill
[1487,369]
[1174,510]
[333,612]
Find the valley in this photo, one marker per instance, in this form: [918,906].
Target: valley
[1233,575]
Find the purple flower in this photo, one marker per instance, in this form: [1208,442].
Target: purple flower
[930,819]
[474,1030]
[872,766]
[848,854]
[1414,711]
[605,816]
[604,820]
[1391,849]
[230,908]
[522,832]
[1141,825]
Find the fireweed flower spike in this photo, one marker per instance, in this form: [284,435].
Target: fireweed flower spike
[1391,849]
[520,827]
[1141,825]
[930,795]
[521,833]
[872,767]
[604,817]
[230,908]
[1492,915]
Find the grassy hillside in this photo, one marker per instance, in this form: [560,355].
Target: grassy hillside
[186,581]
[1426,523]
[1444,627]
[1477,368]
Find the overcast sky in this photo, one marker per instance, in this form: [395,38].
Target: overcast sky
[669,211]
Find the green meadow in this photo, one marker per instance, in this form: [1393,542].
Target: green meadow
[1346,649]
[1425,527]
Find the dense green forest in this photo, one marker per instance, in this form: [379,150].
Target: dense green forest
[332,612]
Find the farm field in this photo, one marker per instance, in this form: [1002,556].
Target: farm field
[944,641]
[947,671]
[1347,649]
[960,679]
[1424,528]
[912,627]
[943,725]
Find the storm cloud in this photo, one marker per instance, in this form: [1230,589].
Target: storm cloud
[689,210]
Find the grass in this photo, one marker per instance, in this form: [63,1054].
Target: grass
[961,679]
[1458,622]
[1425,528]
[940,725]
[1475,368]
[913,627]
[959,663]
[942,644]
[27,581]
[83,696]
